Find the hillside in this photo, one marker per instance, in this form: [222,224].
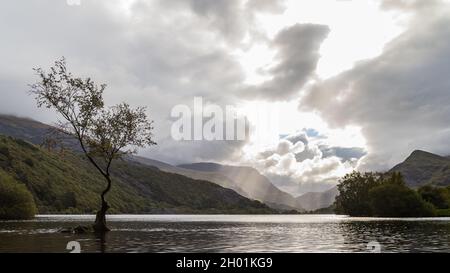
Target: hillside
[260,188]
[254,185]
[312,201]
[34,132]
[23,128]
[214,177]
[66,183]
[422,168]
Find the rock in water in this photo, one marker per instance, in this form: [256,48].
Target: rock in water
[65,230]
[82,230]
[77,230]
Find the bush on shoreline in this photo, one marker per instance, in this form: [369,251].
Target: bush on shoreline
[439,197]
[380,195]
[392,200]
[16,202]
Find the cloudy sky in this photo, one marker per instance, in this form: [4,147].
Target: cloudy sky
[333,85]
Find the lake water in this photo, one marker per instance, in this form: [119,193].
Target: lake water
[230,233]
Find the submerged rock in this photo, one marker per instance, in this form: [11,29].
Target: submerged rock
[77,230]
[65,230]
[82,230]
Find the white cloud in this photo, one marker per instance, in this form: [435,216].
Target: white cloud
[163,53]
[401,99]
[297,57]
[298,164]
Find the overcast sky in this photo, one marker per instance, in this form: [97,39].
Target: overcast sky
[354,84]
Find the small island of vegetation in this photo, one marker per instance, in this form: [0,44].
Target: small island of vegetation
[386,195]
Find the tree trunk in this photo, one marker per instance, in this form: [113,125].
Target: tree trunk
[100,219]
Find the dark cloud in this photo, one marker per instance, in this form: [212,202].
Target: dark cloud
[267,6]
[297,57]
[410,5]
[401,99]
[229,17]
[153,54]
[230,20]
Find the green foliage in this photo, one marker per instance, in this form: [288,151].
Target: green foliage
[439,197]
[372,194]
[16,202]
[104,133]
[443,212]
[70,184]
[396,200]
[353,198]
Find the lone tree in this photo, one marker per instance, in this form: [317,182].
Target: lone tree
[104,133]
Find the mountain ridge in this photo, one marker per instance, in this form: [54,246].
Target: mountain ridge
[424,168]
[138,183]
[312,201]
[208,176]
[255,185]
[34,131]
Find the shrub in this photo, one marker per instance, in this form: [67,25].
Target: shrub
[372,194]
[353,198]
[16,202]
[394,200]
[439,197]
[443,212]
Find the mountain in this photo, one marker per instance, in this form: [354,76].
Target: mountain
[23,128]
[34,131]
[137,183]
[214,177]
[260,188]
[422,168]
[313,201]
[252,183]
[67,183]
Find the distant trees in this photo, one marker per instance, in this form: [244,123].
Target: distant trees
[439,197]
[396,200]
[16,202]
[104,133]
[372,194]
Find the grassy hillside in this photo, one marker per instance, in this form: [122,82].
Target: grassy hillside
[423,168]
[66,183]
[23,128]
[214,177]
